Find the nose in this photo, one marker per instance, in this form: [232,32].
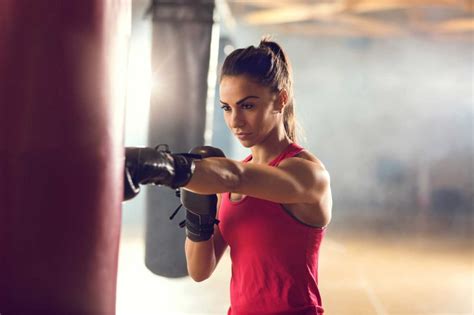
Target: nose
[236,119]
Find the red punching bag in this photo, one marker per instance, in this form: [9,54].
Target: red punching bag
[61,154]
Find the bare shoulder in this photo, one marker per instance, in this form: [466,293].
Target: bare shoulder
[308,171]
[315,179]
[307,157]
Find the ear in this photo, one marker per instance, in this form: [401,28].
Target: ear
[282,100]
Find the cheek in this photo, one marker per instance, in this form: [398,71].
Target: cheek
[266,119]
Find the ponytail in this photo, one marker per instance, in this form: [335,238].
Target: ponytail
[289,117]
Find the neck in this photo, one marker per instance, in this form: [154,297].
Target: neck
[267,150]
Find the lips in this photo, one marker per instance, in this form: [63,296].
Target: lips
[243,135]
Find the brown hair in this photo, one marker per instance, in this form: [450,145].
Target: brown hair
[269,66]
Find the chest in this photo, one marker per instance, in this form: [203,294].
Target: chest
[303,213]
[258,222]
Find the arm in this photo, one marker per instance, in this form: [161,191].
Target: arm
[295,180]
[203,257]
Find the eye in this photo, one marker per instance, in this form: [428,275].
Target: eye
[226,108]
[246,106]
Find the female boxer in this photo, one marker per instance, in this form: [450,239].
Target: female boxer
[273,207]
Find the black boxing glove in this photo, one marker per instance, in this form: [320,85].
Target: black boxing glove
[155,166]
[200,209]
[130,187]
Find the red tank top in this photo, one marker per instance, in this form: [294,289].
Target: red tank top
[274,256]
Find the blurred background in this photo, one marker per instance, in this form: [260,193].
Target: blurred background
[384,97]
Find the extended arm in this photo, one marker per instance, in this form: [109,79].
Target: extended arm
[295,180]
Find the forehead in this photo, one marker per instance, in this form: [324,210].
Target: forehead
[232,87]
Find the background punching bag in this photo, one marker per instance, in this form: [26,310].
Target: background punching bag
[61,154]
[181,49]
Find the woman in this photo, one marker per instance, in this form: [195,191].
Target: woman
[274,206]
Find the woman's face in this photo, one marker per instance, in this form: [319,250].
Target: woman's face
[250,109]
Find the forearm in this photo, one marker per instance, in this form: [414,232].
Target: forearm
[215,175]
[200,259]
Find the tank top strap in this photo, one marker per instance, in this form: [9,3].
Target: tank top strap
[292,150]
[248,158]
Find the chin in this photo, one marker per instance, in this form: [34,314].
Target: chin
[246,143]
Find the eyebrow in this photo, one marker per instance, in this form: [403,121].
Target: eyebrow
[242,100]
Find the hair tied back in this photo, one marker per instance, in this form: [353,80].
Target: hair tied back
[267,43]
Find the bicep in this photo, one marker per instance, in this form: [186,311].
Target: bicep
[295,180]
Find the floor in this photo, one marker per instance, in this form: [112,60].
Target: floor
[380,275]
